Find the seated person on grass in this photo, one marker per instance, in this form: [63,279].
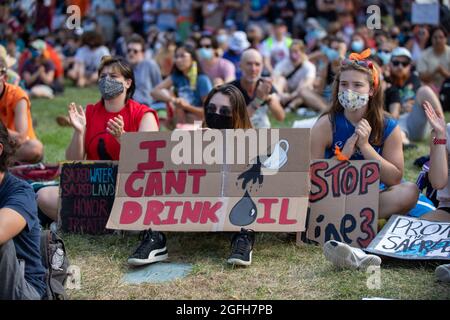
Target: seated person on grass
[191,86]
[358,125]
[22,275]
[259,93]
[97,132]
[224,108]
[343,256]
[294,79]
[15,113]
[406,95]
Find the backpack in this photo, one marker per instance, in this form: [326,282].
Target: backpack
[423,183]
[56,263]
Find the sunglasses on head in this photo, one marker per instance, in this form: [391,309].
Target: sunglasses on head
[397,63]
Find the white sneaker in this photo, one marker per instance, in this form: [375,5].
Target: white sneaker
[343,256]
[443,273]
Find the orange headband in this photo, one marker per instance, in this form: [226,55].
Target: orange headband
[369,64]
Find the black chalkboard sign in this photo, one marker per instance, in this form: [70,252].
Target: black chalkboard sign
[87,191]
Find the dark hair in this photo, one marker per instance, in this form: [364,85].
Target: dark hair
[214,43]
[438,28]
[135,38]
[193,54]
[123,67]
[9,148]
[238,105]
[92,39]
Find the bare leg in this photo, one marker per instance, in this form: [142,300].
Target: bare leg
[416,122]
[437,216]
[425,93]
[31,151]
[280,84]
[313,100]
[47,199]
[398,199]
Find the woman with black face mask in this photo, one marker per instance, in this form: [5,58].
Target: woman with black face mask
[97,131]
[224,108]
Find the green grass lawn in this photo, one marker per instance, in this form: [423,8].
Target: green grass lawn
[280,268]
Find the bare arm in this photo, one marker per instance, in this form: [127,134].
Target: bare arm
[438,173]
[11,224]
[76,149]
[160,92]
[148,123]
[276,108]
[30,78]
[321,138]
[48,77]
[391,160]
[20,122]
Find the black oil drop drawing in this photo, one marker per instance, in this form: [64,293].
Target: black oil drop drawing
[253,174]
[244,211]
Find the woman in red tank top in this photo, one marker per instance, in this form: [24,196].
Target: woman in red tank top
[97,130]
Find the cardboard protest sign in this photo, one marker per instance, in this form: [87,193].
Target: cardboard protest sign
[425,13]
[343,202]
[87,191]
[213,180]
[412,239]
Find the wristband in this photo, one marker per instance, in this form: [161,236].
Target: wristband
[439,141]
[259,101]
[339,155]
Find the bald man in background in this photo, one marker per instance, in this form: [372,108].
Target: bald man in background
[259,93]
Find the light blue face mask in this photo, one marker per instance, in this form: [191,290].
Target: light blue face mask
[357,46]
[205,53]
[222,38]
[331,54]
[385,57]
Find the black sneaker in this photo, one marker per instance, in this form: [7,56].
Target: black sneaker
[152,249]
[242,247]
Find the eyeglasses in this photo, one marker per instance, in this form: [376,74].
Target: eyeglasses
[135,51]
[384,51]
[397,63]
[207,46]
[224,110]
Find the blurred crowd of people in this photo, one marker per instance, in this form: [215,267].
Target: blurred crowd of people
[181,49]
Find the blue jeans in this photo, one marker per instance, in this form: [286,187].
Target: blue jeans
[13,285]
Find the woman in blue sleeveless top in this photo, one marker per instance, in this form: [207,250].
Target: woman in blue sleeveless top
[360,129]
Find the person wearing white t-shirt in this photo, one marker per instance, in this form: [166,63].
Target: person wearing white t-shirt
[294,79]
[434,64]
[276,48]
[87,59]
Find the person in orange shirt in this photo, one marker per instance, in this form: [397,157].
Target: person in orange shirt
[15,113]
